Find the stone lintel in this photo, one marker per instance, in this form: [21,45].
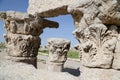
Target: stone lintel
[49,8]
[50,24]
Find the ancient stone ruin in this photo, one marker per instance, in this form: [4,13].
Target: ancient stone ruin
[22,37]
[58,49]
[97,30]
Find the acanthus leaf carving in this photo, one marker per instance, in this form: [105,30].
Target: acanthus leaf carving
[98,44]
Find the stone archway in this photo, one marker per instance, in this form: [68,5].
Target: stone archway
[97,29]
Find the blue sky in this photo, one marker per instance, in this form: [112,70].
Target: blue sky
[66,26]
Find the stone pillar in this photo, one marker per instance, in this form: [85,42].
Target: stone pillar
[22,35]
[97,29]
[58,49]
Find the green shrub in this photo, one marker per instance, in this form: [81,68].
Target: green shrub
[2,45]
[41,60]
[43,51]
[71,53]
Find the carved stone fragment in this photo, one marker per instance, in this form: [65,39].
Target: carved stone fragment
[58,49]
[97,29]
[106,11]
[22,37]
[22,45]
[98,45]
[94,31]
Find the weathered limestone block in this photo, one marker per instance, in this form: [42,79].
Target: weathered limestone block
[22,45]
[22,37]
[94,30]
[97,45]
[85,12]
[97,29]
[58,49]
[49,8]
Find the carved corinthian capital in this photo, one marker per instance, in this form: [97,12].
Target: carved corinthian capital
[97,45]
[22,37]
[97,31]
[58,49]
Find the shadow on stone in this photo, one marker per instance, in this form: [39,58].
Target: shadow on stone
[74,72]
